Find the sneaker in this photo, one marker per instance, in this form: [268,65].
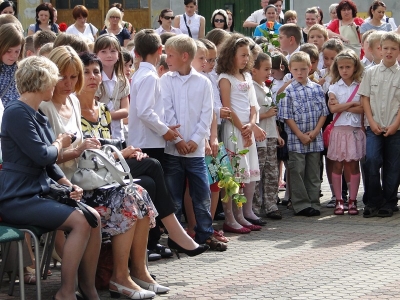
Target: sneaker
[332,202]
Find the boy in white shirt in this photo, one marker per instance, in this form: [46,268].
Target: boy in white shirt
[188,101]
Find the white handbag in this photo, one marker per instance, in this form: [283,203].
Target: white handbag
[98,167]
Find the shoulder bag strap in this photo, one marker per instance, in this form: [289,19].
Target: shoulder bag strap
[188,29]
[91,29]
[348,100]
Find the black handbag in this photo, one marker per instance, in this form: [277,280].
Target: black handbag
[60,193]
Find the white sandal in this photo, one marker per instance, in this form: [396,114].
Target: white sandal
[130,293]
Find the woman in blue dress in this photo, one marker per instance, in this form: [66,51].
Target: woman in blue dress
[30,151]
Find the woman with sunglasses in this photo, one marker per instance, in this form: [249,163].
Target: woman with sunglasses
[165,19]
[219,19]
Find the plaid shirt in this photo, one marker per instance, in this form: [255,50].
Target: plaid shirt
[304,104]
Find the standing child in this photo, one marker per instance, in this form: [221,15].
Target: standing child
[237,93]
[380,98]
[187,97]
[11,43]
[318,35]
[114,89]
[304,112]
[347,140]
[330,49]
[266,189]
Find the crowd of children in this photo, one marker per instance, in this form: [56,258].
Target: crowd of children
[186,96]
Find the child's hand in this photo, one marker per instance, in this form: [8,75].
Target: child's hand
[247,142]
[259,133]
[305,138]
[192,146]
[321,81]
[208,148]
[182,148]
[281,142]
[224,112]
[376,128]
[390,130]
[175,129]
[214,146]
[247,130]
[170,135]
[273,111]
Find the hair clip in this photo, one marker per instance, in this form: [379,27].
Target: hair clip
[240,40]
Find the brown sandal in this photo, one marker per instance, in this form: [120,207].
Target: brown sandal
[216,245]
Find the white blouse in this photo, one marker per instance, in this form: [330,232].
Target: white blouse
[192,22]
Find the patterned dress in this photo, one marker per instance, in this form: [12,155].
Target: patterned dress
[8,88]
[118,209]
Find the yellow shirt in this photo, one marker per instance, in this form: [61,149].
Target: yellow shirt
[382,86]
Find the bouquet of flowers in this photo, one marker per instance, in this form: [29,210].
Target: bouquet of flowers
[271,36]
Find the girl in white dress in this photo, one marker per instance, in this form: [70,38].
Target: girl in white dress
[237,93]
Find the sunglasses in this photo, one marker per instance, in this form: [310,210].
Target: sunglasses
[219,20]
[169,18]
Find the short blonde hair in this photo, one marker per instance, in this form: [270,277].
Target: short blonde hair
[300,57]
[182,43]
[320,28]
[113,12]
[66,57]
[36,74]
[46,49]
[391,36]
[374,38]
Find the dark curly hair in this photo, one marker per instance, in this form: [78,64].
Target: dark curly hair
[228,53]
[46,7]
[346,4]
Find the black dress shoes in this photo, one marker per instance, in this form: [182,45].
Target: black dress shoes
[309,212]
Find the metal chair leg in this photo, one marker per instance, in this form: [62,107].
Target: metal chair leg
[37,264]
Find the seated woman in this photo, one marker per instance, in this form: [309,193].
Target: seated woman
[129,231]
[30,151]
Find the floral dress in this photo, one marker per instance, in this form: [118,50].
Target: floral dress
[118,209]
[8,88]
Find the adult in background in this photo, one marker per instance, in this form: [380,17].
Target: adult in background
[279,15]
[219,19]
[376,13]
[7,7]
[44,19]
[165,20]
[126,25]
[30,151]
[311,19]
[346,27]
[256,17]
[332,13]
[271,12]
[115,26]
[387,20]
[231,21]
[81,28]
[191,23]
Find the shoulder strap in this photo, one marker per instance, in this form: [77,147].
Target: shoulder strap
[91,29]
[188,29]
[387,19]
[348,100]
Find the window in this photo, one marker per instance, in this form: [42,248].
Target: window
[70,4]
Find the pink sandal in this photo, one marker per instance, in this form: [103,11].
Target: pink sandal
[219,235]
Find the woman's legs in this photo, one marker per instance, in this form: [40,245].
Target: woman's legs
[121,248]
[177,233]
[88,266]
[138,268]
[249,190]
[78,239]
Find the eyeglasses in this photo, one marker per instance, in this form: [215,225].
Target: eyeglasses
[219,20]
[115,17]
[169,18]
[212,60]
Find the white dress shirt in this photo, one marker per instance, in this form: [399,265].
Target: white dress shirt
[188,101]
[161,30]
[146,110]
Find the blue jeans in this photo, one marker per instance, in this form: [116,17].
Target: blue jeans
[176,170]
[382,152]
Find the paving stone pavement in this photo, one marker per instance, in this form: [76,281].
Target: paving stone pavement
[325,257]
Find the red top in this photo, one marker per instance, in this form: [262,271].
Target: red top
[334,25]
